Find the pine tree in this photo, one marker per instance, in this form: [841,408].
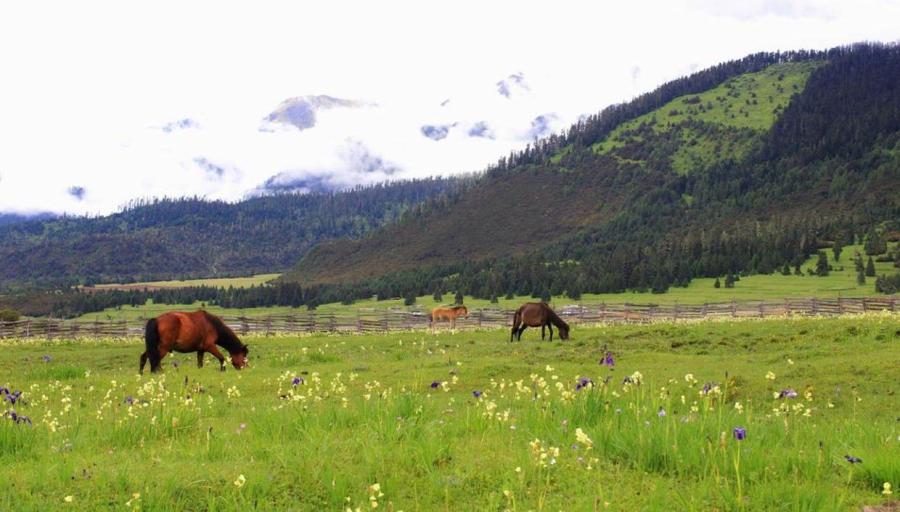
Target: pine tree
[822,265]
[870,268]
[409,299]
[729,281]
[545,295]
[438,296]
[459,298]
[875,243]
[786,270]
[860,277]
[494,299]
[837,249]
[717,284]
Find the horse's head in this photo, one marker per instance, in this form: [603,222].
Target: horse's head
[239,358]
[464,312]
[564,332]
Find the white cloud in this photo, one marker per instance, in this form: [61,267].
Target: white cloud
[87,92]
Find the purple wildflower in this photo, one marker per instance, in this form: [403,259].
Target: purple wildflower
[852,460]
[787,393]
[436,384]
[129,400]
[477,394]
[740,433]
[17,419]
[627,380]
[13,397]
[707,387]
[296,381]
[661,413]
[608,360]
[583,382]
[46,358]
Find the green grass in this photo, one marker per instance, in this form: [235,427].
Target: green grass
[741,108]
[225,282]
[839,283]
[367,414]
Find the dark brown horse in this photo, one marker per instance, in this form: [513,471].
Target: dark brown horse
[533,314]
[198,332]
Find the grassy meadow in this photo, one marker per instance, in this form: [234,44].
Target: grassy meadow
[841,282]
[738,415]
[223,282]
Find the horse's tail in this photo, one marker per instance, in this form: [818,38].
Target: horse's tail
[151,338]
[517,319]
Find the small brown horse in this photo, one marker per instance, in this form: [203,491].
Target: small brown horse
[448,313]
[533,314]
[191,332]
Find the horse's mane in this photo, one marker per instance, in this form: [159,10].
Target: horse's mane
[557,321]
[227,337]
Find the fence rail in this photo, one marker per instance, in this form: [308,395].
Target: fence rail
[390,320]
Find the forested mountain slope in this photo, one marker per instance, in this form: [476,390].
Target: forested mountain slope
[182,238]
[744,167]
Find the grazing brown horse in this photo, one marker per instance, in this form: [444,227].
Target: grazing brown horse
[448,313]
[198,332]
[533,314]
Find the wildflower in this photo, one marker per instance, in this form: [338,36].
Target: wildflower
[17,419]
[46,358]
[69,499]
[661,413]
[477,394]
[240,481]
[738,407]
[790,362]
[689,378]
[852,460]
[436,384]
[608,360]
[13,397]
[886,489]
[129,400]
[583,438]
[583,383]
[296,381]
[787,393]
[740,433]
[770,375]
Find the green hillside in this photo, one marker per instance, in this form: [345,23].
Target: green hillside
[741,168]
[721,123]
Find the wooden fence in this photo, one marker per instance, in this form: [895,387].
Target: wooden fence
[391,320]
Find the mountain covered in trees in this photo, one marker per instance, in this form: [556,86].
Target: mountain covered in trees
[745,167]
[191,237]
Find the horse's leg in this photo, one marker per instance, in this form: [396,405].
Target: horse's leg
[542,333]
[214,350]
[550,326]
[200,354]
[521,330]
[144,357]
[162,355]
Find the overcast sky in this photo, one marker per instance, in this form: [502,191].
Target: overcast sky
[102,102]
